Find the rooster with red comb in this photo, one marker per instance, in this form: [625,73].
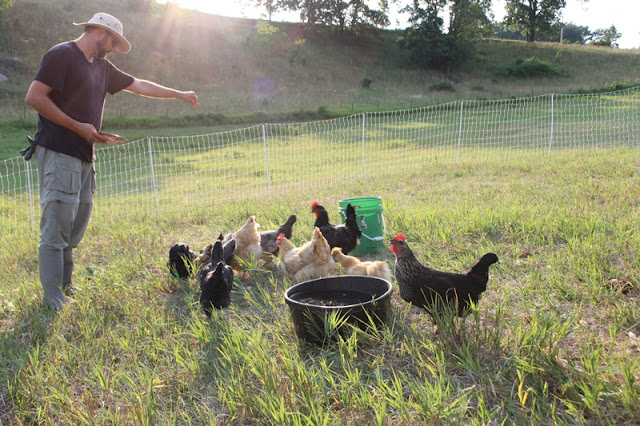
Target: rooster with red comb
[345,235]
[431,289]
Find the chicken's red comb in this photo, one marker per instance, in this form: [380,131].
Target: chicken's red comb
[314,205]
[281,235]
[399,237]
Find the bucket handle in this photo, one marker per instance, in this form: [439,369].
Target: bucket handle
[372,238]
[376,239]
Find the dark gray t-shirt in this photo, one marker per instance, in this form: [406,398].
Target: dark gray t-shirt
[79,90]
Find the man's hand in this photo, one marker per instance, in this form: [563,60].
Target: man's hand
[89,133]
[190,97]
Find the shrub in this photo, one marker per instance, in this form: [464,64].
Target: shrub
[533,67]
[443,86]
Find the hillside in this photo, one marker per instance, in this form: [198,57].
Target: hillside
[237,66]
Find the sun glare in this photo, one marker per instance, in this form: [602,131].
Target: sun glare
[237,9]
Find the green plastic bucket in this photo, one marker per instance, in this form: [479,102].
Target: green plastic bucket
[370,221]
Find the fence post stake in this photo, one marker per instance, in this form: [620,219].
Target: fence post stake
[551,132]
[266,157]
[459,132]
[31,213]
[364,163]
[153,176]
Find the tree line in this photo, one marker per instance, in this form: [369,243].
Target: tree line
[441,32]
[528,20]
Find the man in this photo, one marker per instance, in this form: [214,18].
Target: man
[68,92]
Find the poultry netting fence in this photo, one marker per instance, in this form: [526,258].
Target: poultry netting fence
[158,174]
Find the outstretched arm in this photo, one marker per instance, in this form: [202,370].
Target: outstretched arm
[38,98]
[154,90]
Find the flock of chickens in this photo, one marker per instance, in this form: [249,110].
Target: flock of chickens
[330,245]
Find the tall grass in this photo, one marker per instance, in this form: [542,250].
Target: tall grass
[549,342]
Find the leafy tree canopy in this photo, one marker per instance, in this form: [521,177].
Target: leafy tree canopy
[572,33]
[534,16]
[428,44]
[350,15]
[606,37]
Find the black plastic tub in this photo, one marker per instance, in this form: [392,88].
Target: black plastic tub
[354,299]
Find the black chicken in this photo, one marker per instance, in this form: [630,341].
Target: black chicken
[268,239]
[431,289]
[228,248]
[181,260]
[216,282]
[344,235]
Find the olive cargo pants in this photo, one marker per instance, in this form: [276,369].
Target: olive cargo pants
[67,185]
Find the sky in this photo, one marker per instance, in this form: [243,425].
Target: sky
[594,14]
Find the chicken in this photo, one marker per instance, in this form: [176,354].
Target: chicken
[247,240]
[268,239]
[216,282]
[181,260]
[431,289]
[344,235]
[355,266]
[290,259]
[228,248]
[205,254]
[311,260]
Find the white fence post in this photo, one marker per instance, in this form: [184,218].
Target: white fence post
[153,176]
[551,131]
[364,163]
[266,157]
[459,133]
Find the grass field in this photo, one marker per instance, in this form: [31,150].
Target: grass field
[553,341]
[550,342]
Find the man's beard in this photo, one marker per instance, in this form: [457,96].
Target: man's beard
[101,52]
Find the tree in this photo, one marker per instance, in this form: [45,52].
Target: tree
[468,19]
[606,37]
[507,32]
[341,14]
[534,16]
[425,40]
[363,16]
[572,33]
[5,4]
[566,33]
[272,6]
[430,46]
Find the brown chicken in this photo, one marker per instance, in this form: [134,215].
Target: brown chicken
[431,289]
[311,260]
[228,248]
[345,235]
[354,266]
